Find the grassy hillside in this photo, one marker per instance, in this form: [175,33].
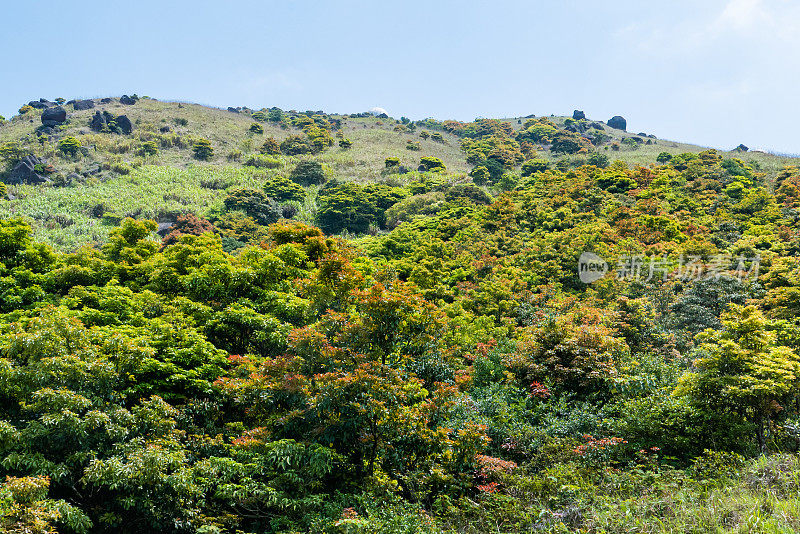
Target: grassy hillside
[113,171]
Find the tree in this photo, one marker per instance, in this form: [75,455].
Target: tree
[741,370]
[345,207]
[270,147]
[431,164]
[131,243]
[254,203]
[282,189]
[308,172]
[295,145]
[533,166]
[203,150]
[187,224]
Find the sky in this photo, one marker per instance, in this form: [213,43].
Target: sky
[711,72]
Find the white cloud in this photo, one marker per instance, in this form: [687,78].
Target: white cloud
[745,14]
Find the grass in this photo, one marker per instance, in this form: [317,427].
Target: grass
[763,497]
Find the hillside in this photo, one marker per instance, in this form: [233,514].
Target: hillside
[267,321]
[112,174]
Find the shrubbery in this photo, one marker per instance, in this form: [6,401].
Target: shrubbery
[69,146]
[203,150]
[308,172]
[282,189]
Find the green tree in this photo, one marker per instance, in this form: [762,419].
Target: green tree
[308,172]
[282,189]
[741,369]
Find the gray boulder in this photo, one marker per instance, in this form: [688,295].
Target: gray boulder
[578,115]
[79,105]
[98,122]
[618,122]
[127,100]
[106,100]
[124,124]
[41,104]
[24,172]
[54,116]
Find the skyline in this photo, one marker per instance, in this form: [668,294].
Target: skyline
[717,75]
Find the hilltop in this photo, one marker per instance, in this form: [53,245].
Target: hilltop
[152,172]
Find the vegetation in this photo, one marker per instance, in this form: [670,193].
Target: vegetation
[329,339]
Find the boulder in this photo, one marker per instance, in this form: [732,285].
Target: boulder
[45,130]
[42,103]
[165,129]
[54,116]
[79,105]
[124,124]
[24,172]
[106,100]
[127,100]
[578,115]
[741,148]
[617,122]
[98,122]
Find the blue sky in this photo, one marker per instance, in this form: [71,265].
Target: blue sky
[716,72]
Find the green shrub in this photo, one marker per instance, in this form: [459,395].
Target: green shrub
[345,144]
[480,175]
[475,194]
[664,157]
[295,145]
[256,128]
[569,143]
[431,164]
[598,160]
[260,116]
[69,146]
[533,166]
[345,207]
[25,109]
[255,204]
[413,145]
[436,136]
[262,162]
[203,150]
[148,148]
[391,162]
[282,189]
[270,147]
[180,121]
[424,135]
[12,152]
[308,172]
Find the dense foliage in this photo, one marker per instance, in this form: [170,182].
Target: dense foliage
[309,350]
